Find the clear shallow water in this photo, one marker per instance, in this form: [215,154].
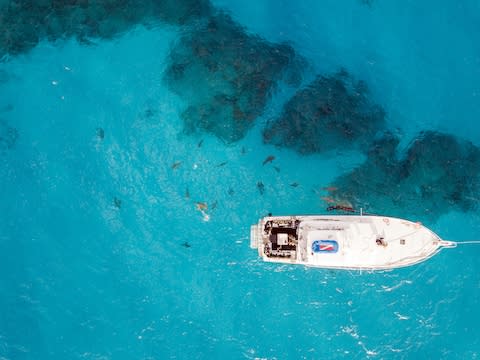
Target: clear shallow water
[91,229]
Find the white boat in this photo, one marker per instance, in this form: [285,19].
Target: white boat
[353,242]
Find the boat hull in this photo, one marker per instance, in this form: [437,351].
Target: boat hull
[344,241]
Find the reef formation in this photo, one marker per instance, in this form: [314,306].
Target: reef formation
[331,112]
[227,76]
[224,74]
[438,173]
[23,23]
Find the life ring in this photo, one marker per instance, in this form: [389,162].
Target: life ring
[386,221]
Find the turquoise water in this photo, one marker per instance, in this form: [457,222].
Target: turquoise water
[105,254]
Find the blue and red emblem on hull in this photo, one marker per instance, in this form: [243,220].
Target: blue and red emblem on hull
[328,246]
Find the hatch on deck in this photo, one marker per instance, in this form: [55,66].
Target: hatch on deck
[324,246]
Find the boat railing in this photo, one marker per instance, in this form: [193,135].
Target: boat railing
[308,226]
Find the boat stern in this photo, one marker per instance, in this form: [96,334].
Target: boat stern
[255,236]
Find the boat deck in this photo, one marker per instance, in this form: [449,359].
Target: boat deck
[347,242]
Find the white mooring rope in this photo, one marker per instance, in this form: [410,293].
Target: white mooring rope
[467,242]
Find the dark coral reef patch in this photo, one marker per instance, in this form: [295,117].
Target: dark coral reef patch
[331,112]
[23,23]
[226,75]
[437,174]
